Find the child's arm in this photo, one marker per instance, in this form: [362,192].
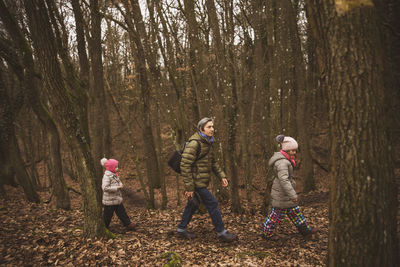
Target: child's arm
[106,184]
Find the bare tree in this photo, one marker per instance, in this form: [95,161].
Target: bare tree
[362,179]
[196,63]
[9,150]
[98,115]
[303,95]
[67,112]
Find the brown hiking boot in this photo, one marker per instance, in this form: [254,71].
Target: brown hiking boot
[227,237]
[310,233]
[187,235]
[130,227]
[270,238]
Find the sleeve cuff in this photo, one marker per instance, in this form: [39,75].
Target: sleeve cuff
[189,188]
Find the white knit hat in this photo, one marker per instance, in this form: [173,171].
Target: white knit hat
[287,142]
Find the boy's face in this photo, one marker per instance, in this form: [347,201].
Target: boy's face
[208,129]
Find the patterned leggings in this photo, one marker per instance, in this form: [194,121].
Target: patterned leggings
[276,215]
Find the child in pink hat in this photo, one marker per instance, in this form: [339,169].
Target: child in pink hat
[112,195]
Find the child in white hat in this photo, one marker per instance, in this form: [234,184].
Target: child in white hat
[283,194]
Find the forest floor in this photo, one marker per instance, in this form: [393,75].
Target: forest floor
[40,235]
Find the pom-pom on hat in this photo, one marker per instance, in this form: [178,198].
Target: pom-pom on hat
[287,142]
[103,162]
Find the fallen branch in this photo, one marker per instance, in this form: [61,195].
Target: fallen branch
[320,165]
[70,188]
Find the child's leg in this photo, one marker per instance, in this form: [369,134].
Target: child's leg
[274,217]
[297,218]
[121,213]
[108,214]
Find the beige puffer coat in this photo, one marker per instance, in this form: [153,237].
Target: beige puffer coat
[284,185]
[112,195]
[198,175]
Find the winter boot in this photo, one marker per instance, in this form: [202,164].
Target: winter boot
[130,227]
[186,234]
[227,237]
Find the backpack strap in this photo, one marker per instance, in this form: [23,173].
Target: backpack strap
[198,151]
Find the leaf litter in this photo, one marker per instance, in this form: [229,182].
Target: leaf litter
[39,235]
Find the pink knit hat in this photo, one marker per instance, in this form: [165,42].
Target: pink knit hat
[287,142]
[109,164]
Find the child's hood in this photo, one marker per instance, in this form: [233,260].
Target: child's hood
[111,165]
[277,156]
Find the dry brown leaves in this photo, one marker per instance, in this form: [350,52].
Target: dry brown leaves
[37,235]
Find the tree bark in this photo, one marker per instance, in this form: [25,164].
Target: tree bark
[303,97]
[154,82]
[363,200]
[98,111]
[219,72]
[65,112]
[31,84]
[232,110]
[145,96]
[181,124]
[9,150]
[81,44]
[10,109]
[132,145]
[388,11]
[196,63]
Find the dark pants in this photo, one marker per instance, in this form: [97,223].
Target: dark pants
[212,206]
[119,210]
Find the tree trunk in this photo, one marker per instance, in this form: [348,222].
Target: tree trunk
[19,166]
[154,82]
[9,150]
[255,79]
[145,96]
[388,12]
[196,63]
[159,95]
[8,113]
[303,97]
[98,112]
[181,124]
[66,112]
[220,84]
[25,137]
[81,44]
[363,200]
[31,85]
[232,110]
[264,82]
[132,145]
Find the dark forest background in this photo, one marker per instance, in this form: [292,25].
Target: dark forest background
[128,79]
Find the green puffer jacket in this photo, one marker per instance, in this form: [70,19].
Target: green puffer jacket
[198,175]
